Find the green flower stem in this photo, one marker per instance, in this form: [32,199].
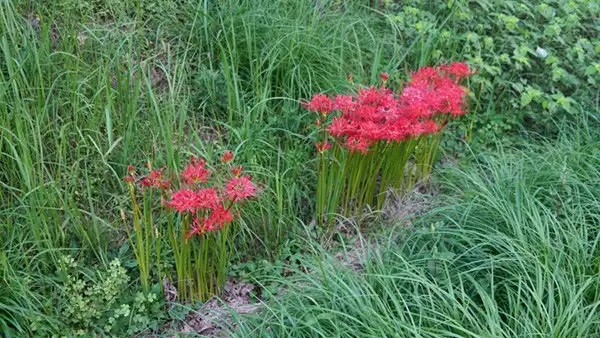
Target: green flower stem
[335,182]
[138,240]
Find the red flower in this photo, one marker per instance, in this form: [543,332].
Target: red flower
[218,217]
[240,188]
[227,157]
[155,176]
[145,182]
[323,146]
[425,74]
[338,126]
[458,69]
[424,128]
[207,198]
[320,103]
[451,98]
[350,78]
[198,227]
[344,103]
[130,169]
[184,200]
[215,221]
[155,180]
[384,76]
[358,144]
[128,178]
[195,171]
[237,171]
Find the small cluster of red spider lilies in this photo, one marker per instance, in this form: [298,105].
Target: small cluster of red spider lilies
[207,201]
[211,206]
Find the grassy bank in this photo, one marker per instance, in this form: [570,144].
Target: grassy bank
[90,87]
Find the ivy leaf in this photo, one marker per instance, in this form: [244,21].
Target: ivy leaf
[525,99]
[522,59]
[518,87]
[590,70]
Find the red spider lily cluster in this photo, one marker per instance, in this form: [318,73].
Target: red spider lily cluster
[399,131]
[210,206]
[376,114]
[198,207]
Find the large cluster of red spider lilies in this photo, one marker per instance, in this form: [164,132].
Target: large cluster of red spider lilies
[382,132]
[433,95]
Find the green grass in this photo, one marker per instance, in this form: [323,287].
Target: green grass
[514,253]
[88,87]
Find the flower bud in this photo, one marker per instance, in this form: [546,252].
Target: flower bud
[227,157]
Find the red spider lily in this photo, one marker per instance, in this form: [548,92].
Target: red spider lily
[338,126]
[322,147]
[384,76]
[458,69]
[155,176]
[206,205]
[196,228]
[184,200]
[344,103]
[200,226]
[145,182]
[320,103]
[240,188]
[426,127]
[451,99]
[237,171]
[227,157]
[130,169]
[155,180]
[218,217]
[195,171]
[425,74]
[358,144]
[207,198]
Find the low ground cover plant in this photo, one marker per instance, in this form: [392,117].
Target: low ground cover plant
[536,59]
